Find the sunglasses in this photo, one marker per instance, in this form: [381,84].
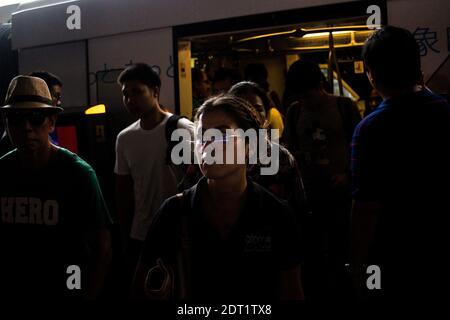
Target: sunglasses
[35,118]
[224,139]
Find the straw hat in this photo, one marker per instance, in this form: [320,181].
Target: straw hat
[27,92]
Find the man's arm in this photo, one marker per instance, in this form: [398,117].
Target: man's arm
[137,288]
[158,242]
[364,220]
[97,233]
[101,260]
[124,206]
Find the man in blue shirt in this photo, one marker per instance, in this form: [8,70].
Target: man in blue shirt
[400,169]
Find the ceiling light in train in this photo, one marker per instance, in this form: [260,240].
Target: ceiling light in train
[325,47]
[325,34]
[274,34]
[309,33]
[98,109]
[340,28]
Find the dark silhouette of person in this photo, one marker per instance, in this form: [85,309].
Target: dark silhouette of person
[400,171]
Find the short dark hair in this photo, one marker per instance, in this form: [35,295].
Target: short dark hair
[257,72]
[236,108]
[223,74]
[141,72]
[49,78]
[244,88]
[303,76]
[393,56]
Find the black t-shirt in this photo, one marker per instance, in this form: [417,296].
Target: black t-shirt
[47,218]
[264,241]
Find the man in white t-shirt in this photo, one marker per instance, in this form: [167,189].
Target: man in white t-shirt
[144,176]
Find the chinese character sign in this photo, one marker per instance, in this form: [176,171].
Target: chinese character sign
[426,39]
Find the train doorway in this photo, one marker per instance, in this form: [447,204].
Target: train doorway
[331,35]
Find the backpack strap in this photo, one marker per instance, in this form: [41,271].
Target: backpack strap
[183,266]
[171,126]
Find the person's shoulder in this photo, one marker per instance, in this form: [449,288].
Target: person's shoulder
[171,204]
[182,200]
[285,157]
[71,161]
[129,130]
[181,123]
[369,121]
[285,154]
[268,201]
[297,103]
[434,99]
[171,211]
[185,123]
[272,211]
[9,155]
[8,159]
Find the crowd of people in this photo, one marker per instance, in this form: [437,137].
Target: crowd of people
[349,192]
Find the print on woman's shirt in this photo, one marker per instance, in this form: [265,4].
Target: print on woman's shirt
[258,242]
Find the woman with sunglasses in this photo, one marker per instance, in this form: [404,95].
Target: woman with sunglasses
[226,237]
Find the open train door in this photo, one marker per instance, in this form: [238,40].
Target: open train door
[330,34]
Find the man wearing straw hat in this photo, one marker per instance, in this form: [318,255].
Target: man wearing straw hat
[54,235]
[54,84]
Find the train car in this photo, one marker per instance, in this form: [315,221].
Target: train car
[100,37]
